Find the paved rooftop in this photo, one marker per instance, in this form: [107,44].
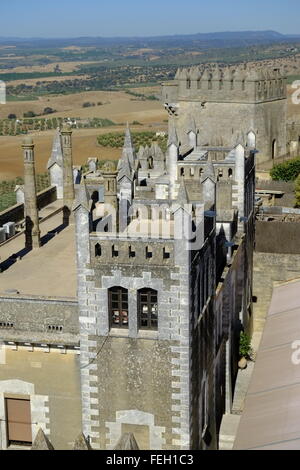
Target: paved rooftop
[271,418]
[49,271]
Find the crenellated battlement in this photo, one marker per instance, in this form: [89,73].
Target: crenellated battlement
[233,83]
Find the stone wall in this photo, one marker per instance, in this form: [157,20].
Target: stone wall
[270,267]
[135,378]
[288,187]
[39,319]
[278,237]
[144,397]
[16,213]
[51,381]
[236,120]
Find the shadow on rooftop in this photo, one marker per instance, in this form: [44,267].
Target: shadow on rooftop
[52,233]
[6,264]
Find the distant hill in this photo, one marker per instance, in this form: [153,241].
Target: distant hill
[221,39]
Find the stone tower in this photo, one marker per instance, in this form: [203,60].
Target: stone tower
[68,183]
[229,105]
[56,165]
[109,177]
[32,231]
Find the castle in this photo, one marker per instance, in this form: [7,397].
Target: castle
[141,336]
[231,104]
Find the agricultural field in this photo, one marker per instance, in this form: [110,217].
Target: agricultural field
[7,189]
[116,139]
[85,145]
[117,106]
[102,86]
[14,127]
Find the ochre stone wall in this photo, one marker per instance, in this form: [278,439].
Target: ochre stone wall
[53,382]
[222,123]
[270,267]
[277,237]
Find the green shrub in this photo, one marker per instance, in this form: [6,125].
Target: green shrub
[29,114]
[297,191]
[245,346]
[287,171]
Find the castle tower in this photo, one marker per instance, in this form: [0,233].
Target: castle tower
[192,133]
[109,176]
[172,160]
[125,189]
[68,183]
[226,102]
[208,181]
[55,165]
[32,231]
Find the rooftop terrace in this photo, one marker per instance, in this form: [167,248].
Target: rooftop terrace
[49,271]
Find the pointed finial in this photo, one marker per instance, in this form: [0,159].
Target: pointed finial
[127,442]
[173,138]
[182,196]
[82,198]
[191,125]
[209,172]
[41,442]
[81,443]
[57,153]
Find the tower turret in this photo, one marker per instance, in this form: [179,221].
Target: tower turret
[69,194]
[172,159]
[32,230]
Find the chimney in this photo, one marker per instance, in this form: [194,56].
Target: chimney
[32,230]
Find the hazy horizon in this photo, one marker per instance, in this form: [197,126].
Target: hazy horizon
[62,19]
[150,35]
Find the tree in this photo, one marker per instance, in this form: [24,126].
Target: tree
[12,116]
[297,191]
[48,110]
[57,69]
[29,114]
[287,171]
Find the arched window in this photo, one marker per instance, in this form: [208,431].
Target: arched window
[98,251]
[198,84]
[147,309]
[150,163]
[118,307]
[274,149]
[188,83]
[181,171]
[230,173]
[251,139]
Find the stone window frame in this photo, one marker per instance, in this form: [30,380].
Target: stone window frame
[120,292]
[38,404]
[139,283]
[149,303]
[135,417]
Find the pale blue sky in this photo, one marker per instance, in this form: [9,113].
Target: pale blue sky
[73,18]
